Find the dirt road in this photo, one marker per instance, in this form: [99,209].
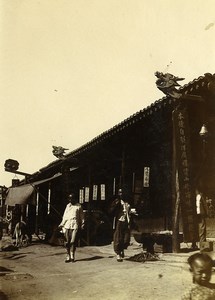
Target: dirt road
[39,272]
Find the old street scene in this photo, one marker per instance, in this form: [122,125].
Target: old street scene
[158,184]
[114,201]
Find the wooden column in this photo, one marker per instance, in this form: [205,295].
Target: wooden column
[122,177]
[65,175]
[37,213]
[175,197]
[89,214]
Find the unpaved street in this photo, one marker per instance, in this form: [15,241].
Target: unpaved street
[39,272]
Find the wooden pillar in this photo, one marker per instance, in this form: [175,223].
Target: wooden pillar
[65,175]
[175,196]
[89,213]
[49,199]
[2,202]
[122,177]
[37,213]
[176,206]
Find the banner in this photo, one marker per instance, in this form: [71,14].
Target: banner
[146,177]
[87,194]
[186,192]
[95,191]
[81,196]
[102,191]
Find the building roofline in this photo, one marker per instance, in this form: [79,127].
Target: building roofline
[188,89]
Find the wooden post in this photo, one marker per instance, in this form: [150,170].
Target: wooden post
[37,213]
[175,236]
[89,214]
[65,175]
[49,199]
[123,168]
[2,205]
[175,197]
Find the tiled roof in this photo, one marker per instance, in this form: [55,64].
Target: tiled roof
[196,84]
[192,88]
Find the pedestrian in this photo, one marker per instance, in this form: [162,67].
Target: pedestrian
[121,225]
[72,222]
[201,207]
[201,268]
[201,210]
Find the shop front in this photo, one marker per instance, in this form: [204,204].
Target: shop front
[158,156]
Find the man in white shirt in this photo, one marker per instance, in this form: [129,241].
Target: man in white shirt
[201,210]
[73,220]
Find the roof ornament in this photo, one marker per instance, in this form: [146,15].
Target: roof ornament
[59,151]
[167,83]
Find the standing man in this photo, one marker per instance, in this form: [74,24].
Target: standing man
[201,209]
[73,220]
[121,225]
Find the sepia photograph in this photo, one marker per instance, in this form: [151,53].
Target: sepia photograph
[107,160]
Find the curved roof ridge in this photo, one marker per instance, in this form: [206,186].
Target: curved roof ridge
[118,127]
[205,77]
[157,104]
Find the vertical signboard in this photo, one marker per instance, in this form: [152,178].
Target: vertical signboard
[81,196]
[114,186]
[186,192]
[102,191]
[87,194]
[37,202]
[95,192]
[49,201]
[146,177]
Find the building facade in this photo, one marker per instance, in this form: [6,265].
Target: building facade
[157,157]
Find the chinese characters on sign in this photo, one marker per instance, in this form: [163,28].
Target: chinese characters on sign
[87,194]
[84,193]
[183,164]
[146,177]
[95,192]
[102,191]
[81,196]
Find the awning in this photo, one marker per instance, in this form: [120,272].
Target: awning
[20,195]
[45,180]
[24,194]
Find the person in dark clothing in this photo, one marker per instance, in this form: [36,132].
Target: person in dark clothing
[121,225]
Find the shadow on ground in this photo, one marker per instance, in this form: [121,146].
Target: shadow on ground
[91,258]
[3,296]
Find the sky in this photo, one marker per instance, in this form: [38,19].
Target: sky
[71,70]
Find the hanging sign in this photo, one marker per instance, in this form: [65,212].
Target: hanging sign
[186,192]
[95,192]
[146,177]
[87,194]
[81,196]
[102,191]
